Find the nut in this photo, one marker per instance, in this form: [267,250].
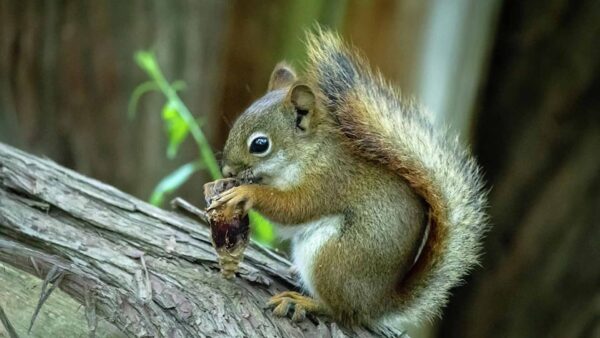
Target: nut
[230,231]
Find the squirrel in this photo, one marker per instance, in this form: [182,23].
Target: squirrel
[387,212]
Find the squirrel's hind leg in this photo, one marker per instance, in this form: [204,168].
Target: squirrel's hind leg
[284,301]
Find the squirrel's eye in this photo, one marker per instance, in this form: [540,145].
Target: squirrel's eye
[259,144]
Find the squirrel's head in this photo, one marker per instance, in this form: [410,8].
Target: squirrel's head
[276,133]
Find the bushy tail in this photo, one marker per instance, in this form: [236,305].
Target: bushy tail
[397,133]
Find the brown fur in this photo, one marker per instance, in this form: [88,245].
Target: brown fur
[347,145]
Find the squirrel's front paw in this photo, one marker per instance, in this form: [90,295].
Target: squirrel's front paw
[283,302]
[242,195]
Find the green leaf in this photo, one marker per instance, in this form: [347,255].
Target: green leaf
[178,85]
[140,90]
[177,129]
[261,229]
[146,61]
[173,181]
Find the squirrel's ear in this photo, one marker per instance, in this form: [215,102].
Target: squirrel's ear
[303,100]
[283,76]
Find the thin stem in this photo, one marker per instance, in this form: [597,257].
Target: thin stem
[148,62]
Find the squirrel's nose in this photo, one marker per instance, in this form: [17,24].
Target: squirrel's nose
[228,171]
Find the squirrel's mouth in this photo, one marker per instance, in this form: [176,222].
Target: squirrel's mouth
[248,177]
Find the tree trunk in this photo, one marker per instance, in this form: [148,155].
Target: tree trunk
[538,138]
[148,271]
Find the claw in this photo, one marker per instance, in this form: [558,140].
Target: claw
[273,302]
[299,313]
[289,294]
[223,198]
[215,204]
[281,304]
[282,309]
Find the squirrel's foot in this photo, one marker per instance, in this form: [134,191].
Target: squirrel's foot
[283,302]
[243,194]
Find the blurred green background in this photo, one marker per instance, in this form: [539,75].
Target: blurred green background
[518,79]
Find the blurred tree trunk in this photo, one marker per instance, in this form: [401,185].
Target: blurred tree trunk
[454,51]
[538,138]
[435,51]
[248,58]
[67,73]
[390,35]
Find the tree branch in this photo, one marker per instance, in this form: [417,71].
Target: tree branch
[148,271]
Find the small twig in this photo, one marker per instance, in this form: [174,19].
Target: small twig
[142,279]
[390,332]
[54,277]
[272,253]
[35,267]
[12,333]
[33,203]
[90,312]
[179,203]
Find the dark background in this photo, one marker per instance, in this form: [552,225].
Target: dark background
[518,79]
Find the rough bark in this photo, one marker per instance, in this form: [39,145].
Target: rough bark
[148,271]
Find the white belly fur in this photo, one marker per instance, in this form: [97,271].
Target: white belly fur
[307,241]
